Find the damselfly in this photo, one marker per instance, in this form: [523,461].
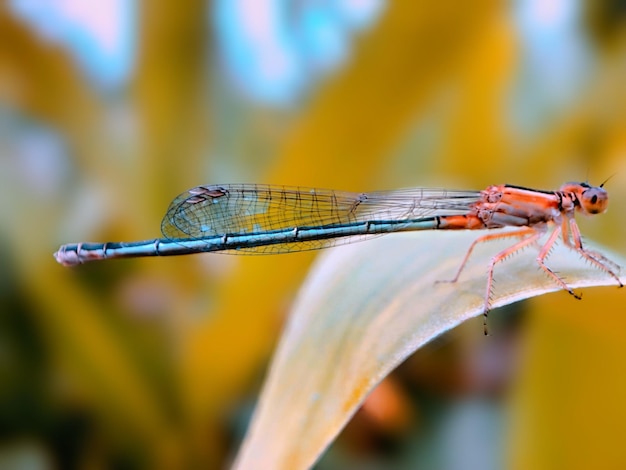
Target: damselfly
[264,219]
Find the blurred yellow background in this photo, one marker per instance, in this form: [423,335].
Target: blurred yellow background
[108,112]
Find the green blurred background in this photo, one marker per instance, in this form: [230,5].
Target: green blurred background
[109,110]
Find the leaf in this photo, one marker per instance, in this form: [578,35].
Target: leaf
[363,310]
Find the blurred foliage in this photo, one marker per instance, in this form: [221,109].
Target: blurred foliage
[154,363]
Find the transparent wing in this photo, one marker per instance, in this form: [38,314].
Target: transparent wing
[207,211]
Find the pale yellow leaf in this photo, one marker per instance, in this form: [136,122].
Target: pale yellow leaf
[366,307]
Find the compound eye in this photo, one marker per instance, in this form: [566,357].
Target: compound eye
[594,200]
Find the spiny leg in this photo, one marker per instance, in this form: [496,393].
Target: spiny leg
[595,258]
[534,235]
[565,233]
[485,238]
[545,251]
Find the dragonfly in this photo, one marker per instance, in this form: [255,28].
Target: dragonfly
[271,219]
